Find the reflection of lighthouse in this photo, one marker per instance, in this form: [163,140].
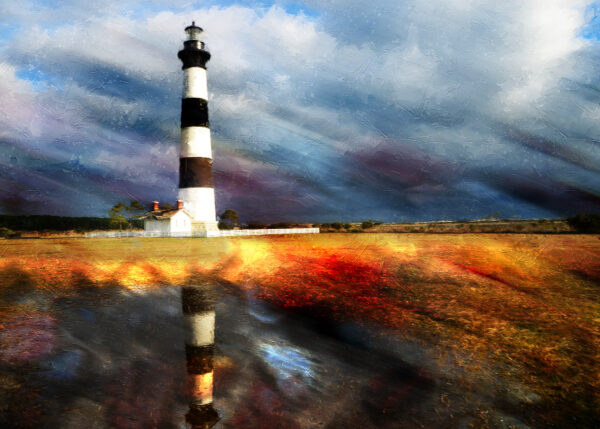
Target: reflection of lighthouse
[195,162]
[199,317]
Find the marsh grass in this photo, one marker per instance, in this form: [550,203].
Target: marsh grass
[520,310]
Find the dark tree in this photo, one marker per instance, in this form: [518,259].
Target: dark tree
[118,214]
[229,219]
[123,214]
[587,223]
[136,209]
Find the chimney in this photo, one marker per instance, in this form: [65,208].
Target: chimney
[179,204]
[154,206]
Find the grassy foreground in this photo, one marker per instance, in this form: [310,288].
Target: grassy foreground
[520,308]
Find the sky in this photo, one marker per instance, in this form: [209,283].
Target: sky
[322,110]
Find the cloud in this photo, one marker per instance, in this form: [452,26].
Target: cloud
[403,110]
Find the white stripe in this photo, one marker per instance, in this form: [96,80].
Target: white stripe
[194,83]
[200,328]
[195,141]
[200,202]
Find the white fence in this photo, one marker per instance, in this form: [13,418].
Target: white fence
[115,234]
[246,232]
[218,233]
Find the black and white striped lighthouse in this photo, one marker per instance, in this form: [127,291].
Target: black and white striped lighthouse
[195,160]
[198,306]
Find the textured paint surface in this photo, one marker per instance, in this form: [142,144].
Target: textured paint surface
[320,111]
[502,327]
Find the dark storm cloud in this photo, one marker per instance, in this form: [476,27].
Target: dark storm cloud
[553,196]
[403,110]
[563,150]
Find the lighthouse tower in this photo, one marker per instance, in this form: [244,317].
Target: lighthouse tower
[195,160]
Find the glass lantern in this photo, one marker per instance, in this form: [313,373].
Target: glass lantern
[193,32]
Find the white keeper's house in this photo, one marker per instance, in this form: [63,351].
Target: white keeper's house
[168,221]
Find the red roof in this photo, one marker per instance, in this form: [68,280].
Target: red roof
[164,214]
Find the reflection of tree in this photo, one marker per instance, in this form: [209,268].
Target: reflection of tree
[269,411]
[141,394]
[123,375]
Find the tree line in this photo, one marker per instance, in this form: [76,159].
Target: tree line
[120,215]
[57,223]
[127,215]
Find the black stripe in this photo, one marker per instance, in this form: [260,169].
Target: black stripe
[202,416]
[199,359]
[194,112]
[195,173]
[191,56]
[197,299]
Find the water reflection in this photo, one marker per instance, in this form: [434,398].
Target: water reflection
[198,305]
[115,357]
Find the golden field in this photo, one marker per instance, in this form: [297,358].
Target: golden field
[526,306]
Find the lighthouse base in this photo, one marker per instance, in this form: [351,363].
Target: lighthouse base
[204,227]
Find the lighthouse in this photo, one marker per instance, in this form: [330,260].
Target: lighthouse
[196,188]
[195,214]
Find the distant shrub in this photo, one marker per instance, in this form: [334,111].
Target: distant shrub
[280,225]
[6,232]
[347,226]
[254,224]
[336,225]
[366,224]
[225,225]
[325,225]
[587,223]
